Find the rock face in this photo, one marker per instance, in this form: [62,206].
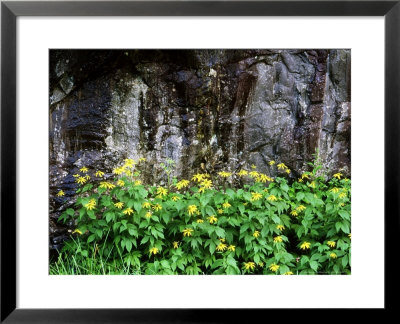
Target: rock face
[208,110]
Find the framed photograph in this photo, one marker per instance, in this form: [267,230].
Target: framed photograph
[163,158]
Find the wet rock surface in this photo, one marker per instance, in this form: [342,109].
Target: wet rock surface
[208,110]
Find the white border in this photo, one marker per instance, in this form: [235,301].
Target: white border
[364,288]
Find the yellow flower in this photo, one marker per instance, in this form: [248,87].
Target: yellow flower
[254,174]
[77,231]
[118,170]
[187,232]
[207,184]
[305,245]
[128,211]
[335,190]
[300,208]
[256,234]
[338,175]
[261,264]
[106,185]
[119,205]
[253,166]
[305,175]
[342,195]
[349,236]
[224,174]
[212,219]
[271,162]
[277,239]
[287,171]
[294,212]
[175,198]
[142,159]
[81,180]
[231,248]
[175,244]
[255,196]
[120,183]
[148,215]
[333,255]
[60,193]
[157,207]
[249,265]
[99,174]
[300,180]
[162,191]
[221,247]
[129,163]
[192,209]
[272,198]
[138,183]
[242,173]
[146,204]
[84,169]
[331,243]
[281,166]
[274,267]
[153,250]
[280,227]
[226,205]
[200,221]
[76,175]
[261,177]
[182,184]
[128,172]
[91,204]
[87,177]
[198,177]
[222,240]
[312,184]
[220,211]
[288,273]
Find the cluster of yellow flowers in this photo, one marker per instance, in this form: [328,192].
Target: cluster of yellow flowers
[297,210]
[91,204]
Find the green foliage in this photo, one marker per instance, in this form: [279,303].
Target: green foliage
[203,226]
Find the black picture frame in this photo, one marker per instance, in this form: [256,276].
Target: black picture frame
[10,10]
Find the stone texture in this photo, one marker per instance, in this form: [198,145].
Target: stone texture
[205,109]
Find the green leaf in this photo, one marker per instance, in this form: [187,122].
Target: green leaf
[314,265]
[91,214]
[344,214]
[137,205]
[70,212]
[128,245]
[91,238]
[300,196]
[345,261]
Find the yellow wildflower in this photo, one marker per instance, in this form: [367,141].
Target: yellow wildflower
[91,204]
[231,248]
[277,239]
[300,180]
[261,177]
[287,171]
[128,211]
[84,169]
[76,175]
[342,195]
[175,244]
[333,255]
[349,236]
[242,173]
[138,183]
[249,265]
[253,166]
[119,204]
[146,204]
[182,184]
[300,208]
[118,170]
[305,175]
[305,245]
[142,159]
[60,193]
[254,174]
[187,232]
[175,198]
[294,212]
[198,177]
[288,273]
[281,166]
[129,163]
[81,180]
[261,264]
[153,250]
[255,196]
[106,185]
[200,221]
[192,209]
[162,191]
[207,184]
[99,174]
[272,198]
[312,184]
[274,267]
[338,175]
[226,205]
[148,215]
[221,247]
[120,183]
[271,162]
[220,211]
[280,227]
[212,219]
[77,231]
[157,207]
[87,177]
[224,174]
[128,172]
[256,234]
[331,243]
